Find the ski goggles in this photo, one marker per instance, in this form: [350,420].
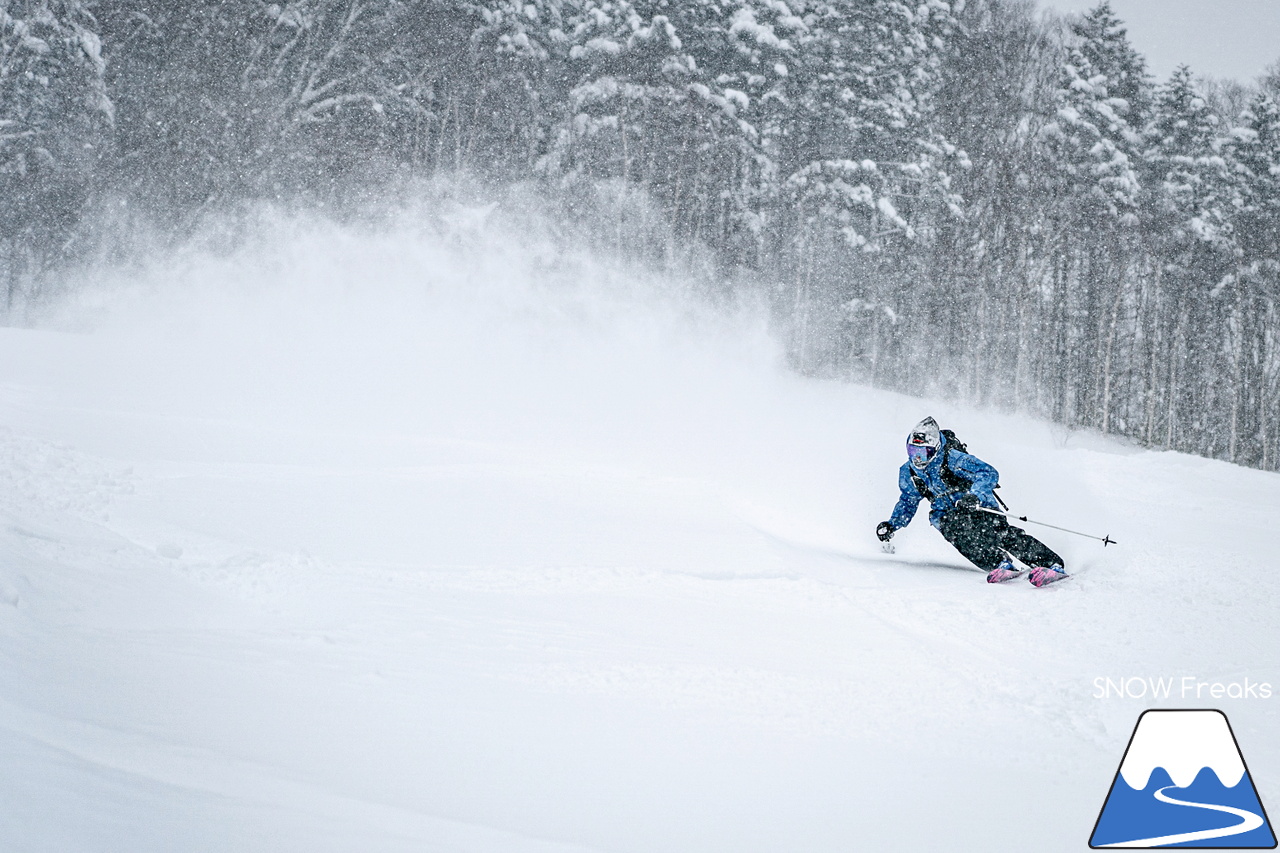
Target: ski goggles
[920,452]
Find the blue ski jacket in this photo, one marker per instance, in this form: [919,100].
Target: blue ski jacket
[983,479]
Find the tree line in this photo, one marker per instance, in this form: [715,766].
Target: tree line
[971,200]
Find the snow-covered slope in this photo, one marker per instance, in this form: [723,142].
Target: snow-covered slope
[362,543]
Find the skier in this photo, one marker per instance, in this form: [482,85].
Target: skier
[959,486]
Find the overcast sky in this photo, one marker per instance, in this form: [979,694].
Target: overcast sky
[1221,38]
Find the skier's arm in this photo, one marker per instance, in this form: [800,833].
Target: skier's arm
[907,502]
[983,477]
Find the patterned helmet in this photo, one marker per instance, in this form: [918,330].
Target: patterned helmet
[923,442]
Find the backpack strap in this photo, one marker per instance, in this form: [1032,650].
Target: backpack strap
[920,486]
[953,481]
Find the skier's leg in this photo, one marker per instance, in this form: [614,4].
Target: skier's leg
[977,535]
[1046,564]
[1027,548]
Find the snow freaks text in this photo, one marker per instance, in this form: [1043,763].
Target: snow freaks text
[1178,687]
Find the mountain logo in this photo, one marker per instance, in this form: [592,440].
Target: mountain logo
[1183,783]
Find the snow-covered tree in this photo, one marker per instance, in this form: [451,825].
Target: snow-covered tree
[855,141]
[1090,141]
[53,102]
[1091,168]
[914,182]
[1189,220]
[1104,43]
[669,97]
[489,78]
[1269,82]
[1185,167]
[250,99]
[1254,157]
[54,111]
[1255,160]
[862,171]
[188,130]
[320,57]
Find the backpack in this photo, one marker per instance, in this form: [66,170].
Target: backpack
[953,481]
[953,441]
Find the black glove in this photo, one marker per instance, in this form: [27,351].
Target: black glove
[967,501]
[884,531]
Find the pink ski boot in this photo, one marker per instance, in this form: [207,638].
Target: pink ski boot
[1003,572]
[1045,575]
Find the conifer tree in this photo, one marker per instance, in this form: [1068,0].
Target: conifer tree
[856,135]
[1254,157]
[1105,44]
[1188,200]
[668,97]
[1183,163]
[1091,168]
[1088,145]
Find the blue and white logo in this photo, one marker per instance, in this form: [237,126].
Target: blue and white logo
[1183,783]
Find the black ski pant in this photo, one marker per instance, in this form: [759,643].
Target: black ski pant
[985,537]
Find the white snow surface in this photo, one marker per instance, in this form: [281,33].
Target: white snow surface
[408,542]
[1183,743]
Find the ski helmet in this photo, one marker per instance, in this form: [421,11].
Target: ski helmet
[923,443]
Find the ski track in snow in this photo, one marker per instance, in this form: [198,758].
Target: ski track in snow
[388,578]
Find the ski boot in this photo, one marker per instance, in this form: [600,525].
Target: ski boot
[1004,572]
[1045,575]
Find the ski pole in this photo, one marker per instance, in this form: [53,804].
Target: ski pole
[1105,539]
